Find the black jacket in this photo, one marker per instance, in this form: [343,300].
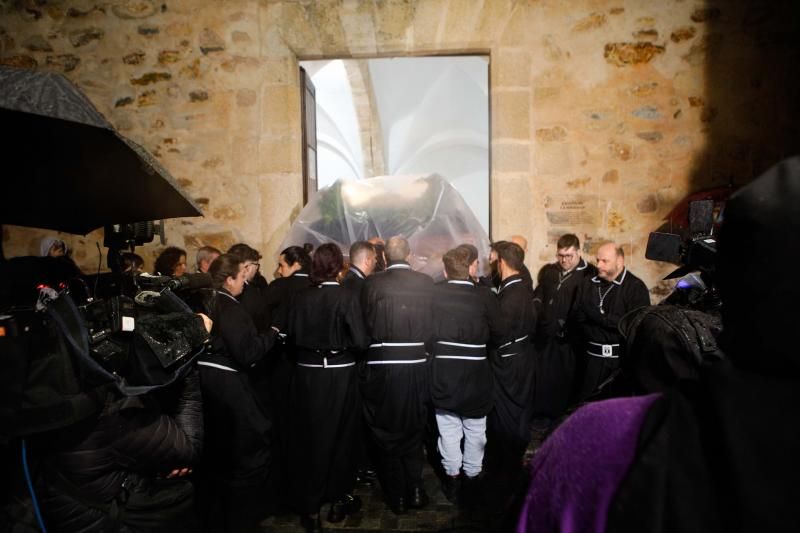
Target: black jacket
[554,297]
[600,323]
[464,314]
[135,438]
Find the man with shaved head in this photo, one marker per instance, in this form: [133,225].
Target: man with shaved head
[397,305]
[599,305]
[362,264]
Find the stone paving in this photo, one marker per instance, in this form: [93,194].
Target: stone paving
[440,515]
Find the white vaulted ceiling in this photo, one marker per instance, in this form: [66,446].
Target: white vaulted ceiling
[432,117]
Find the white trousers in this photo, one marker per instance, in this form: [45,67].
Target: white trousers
[452,428]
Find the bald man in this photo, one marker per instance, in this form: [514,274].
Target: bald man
[599,305]
[520,241]
[397,306]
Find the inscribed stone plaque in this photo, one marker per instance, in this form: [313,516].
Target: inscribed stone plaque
[571,210]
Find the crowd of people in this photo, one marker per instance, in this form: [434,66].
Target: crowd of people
[337,372]
[344,372]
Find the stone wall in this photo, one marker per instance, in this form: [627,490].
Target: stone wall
[604,113]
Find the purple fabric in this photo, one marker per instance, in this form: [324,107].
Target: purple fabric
[575,474]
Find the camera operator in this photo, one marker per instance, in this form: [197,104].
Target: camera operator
[122,469]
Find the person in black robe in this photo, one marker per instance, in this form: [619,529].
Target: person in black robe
[255,286]
[467,322]
[556,344]
[273,377]
[327,333]
[600,304]
[513,365]
[493,278]
[363,260]
[236,461]
[394,382]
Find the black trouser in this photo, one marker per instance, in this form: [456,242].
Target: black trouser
[505,475]
[400,474]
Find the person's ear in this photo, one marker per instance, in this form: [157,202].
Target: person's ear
[444,271]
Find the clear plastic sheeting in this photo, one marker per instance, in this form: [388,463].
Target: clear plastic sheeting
[426,210]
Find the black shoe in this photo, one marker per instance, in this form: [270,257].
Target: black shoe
[451,488]
[398,506]
[311,523]
[471,487]
[417,498]
[346,505]
[365,476]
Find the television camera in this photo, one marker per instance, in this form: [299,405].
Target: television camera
[62,341]
[694,252]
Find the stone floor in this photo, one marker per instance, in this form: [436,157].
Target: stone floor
[440,515]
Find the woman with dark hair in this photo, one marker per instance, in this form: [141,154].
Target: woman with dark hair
[327,331]
[171,262]
[237,449]
[294,259]
[273,380]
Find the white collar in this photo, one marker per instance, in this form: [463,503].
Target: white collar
[300,275]
[460,282]
[357,272]
[229,295]
[405,266]
[596,279]
[503,286]
[329,283]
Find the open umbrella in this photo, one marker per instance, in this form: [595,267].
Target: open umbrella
[66,168]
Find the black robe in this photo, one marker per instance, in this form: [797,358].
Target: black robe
[253,299]
[354,279]
[513,364]
[463,314]
[273,378]
[599,325]
[237,456]
[397,309]
[237,426]
[327,332]
[279,294]
[556,344]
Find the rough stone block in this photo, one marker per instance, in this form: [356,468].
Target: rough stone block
[83,37]
[591,22]
[511,156]
[622,54]
[511,115]
[552,158]
[19,61]
[513,68]
[37,43]
[64,62]
[134,9]
[277,156]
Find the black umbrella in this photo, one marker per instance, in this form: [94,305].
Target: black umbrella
[64,167]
